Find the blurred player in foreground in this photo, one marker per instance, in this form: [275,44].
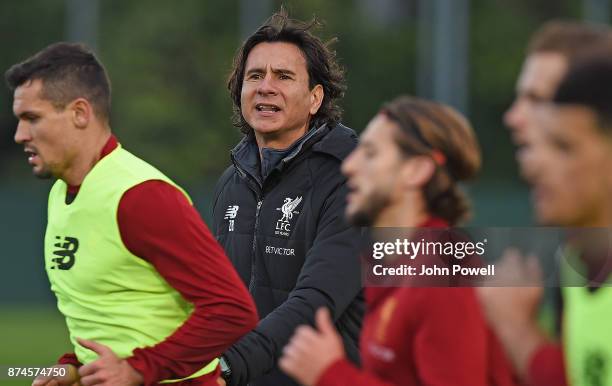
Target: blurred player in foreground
[147,293]
[551,50]
[571,187]
[405,173]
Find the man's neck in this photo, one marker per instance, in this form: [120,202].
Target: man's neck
[279,141]
[601,218]
[405,214]
[86,158]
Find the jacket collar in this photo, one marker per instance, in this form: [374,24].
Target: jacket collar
[337,141]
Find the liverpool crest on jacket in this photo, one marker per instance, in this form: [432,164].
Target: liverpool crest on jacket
[283,225]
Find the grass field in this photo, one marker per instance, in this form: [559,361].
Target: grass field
[37,336]
[30,337]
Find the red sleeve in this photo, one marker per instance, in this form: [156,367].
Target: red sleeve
[450,343]
[547,367]
[69,359]
[158,224]
[451,337]
[343,373]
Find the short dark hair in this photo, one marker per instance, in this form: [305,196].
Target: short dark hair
[68,71]
[321,64]
[569,38]
[588,83]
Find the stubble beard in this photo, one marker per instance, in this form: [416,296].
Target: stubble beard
[366,215]
[43,174]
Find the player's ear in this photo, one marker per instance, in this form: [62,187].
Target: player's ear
[316,98]
[416,171]
[82,112]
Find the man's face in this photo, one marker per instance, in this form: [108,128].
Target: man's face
[276,100]
[538,81]
[42,130]
[571,180]
[372,170]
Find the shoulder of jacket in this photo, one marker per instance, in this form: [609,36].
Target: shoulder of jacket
[338,143]
[222,181]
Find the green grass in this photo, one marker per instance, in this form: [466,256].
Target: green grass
[30,336]
[37,336]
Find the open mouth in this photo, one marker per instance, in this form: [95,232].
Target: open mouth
[31,154]
[264,107]
[352,190]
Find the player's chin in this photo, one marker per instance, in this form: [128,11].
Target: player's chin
[547,216]
[352,208]
[359,217]
[268,128]
[42,173]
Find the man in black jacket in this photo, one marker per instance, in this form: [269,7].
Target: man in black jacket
[278,210]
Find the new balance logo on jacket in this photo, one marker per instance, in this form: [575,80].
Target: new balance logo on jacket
[230,214]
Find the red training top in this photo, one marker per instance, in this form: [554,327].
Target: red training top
[547,366]
[424,336]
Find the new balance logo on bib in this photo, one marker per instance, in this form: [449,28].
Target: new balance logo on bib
[65,253]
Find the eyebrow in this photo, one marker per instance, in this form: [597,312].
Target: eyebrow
[254,70]
[27,114]
[259,70]
[282,71]
[368,143]
[531,94]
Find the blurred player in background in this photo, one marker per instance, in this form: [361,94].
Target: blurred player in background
[550,51]
[147,293]
[278,209]
[405,173]
[571,187]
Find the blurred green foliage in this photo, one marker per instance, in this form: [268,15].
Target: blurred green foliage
[169,61]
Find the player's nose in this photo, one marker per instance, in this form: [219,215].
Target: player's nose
[22,133]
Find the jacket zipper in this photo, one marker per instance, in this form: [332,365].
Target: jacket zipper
[254,187]
[253,254]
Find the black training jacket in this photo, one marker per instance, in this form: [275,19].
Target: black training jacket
[286,235]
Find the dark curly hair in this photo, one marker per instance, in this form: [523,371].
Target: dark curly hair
[321,65]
